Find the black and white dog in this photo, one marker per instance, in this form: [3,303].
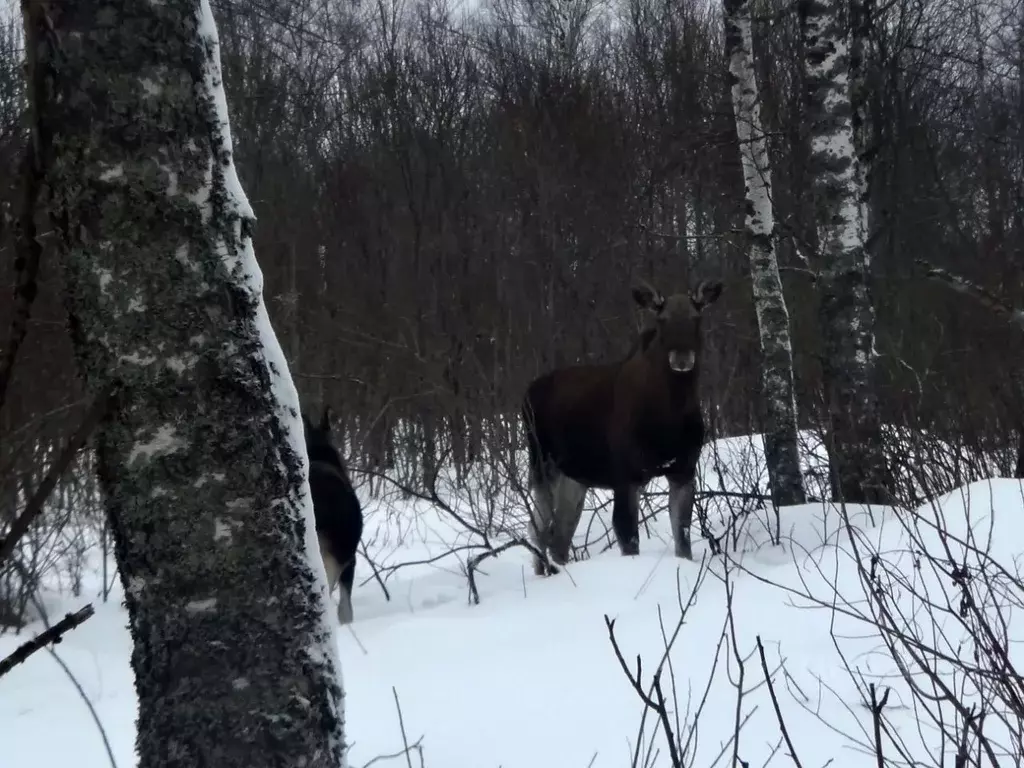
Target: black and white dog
[339,517]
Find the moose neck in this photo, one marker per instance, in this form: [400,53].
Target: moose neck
[680,384]
[683,383]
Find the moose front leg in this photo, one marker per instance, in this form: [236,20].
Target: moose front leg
[680,510]
[626,518]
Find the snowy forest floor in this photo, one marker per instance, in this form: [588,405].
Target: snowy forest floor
[847,601]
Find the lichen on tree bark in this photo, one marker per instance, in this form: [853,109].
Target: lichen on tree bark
[202,474]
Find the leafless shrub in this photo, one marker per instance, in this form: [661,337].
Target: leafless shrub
[940,605]
[485,503]
[943,607]
[408,750]
[52,523]
[678,724]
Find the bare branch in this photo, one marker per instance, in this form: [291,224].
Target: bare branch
[50,636]
[775,704]
[876,720]
[982,295]
[657,705]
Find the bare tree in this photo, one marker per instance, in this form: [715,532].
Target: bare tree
[848,316]
[782,451]
[200,453]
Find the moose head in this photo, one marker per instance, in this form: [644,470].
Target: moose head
[675,330]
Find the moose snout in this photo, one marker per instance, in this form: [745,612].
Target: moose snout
[681,362]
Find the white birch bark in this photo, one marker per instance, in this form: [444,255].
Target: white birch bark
[782,451]
[201,456]
[848,318]
[868,105]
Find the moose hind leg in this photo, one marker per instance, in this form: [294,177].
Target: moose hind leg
[569,497]
[626,519]
[542,517]
[346,581]
[680,512]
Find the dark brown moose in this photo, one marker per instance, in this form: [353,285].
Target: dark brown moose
[618,425]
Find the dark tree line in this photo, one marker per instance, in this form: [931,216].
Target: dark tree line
[448,204]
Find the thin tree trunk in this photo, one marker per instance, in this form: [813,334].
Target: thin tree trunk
[201,458]
[858,468]
[782,450]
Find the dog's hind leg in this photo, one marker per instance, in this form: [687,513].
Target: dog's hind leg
[330,563]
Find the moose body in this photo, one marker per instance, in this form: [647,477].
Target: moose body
[336,508]
[618,425]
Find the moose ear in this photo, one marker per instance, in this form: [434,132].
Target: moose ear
[646,296]
[707,293]
[325,419]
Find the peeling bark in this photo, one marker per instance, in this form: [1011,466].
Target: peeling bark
[858,469]
[201,458]
[782,451]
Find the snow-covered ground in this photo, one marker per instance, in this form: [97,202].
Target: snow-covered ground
[530,678]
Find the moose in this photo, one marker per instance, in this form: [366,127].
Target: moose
[617,425]
[339,517]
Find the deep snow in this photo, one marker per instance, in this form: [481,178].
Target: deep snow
[529,678]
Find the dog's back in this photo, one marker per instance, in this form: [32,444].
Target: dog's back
[339,516]
[336,508]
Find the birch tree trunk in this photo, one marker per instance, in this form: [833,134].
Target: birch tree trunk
[857,461]
[861,64]
[782,451]
[201,455]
